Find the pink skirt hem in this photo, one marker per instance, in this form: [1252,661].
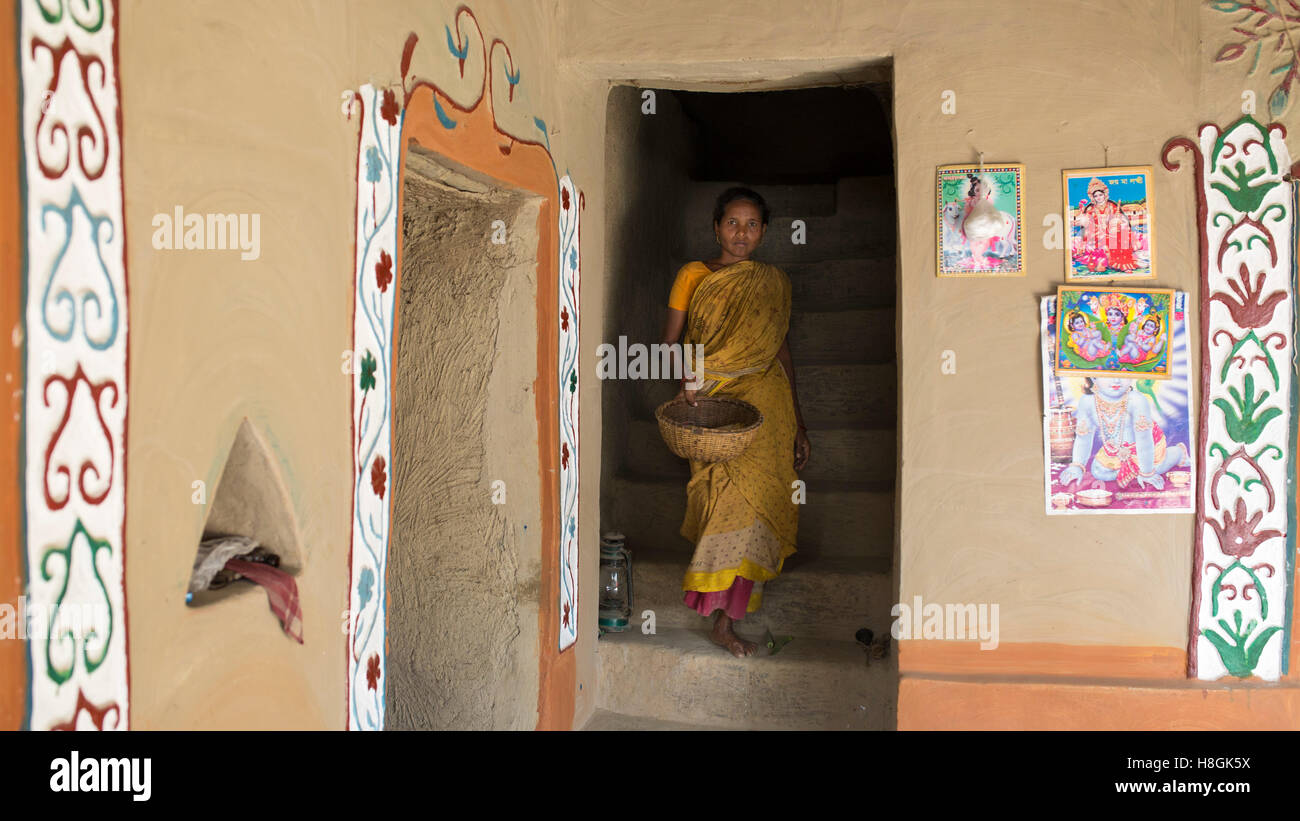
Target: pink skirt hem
[734,601]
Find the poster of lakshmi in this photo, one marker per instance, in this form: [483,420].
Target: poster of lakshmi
[981,220]
[1121,332]
[1110,216]
[1113,444]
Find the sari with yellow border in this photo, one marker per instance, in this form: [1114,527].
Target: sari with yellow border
[741,514]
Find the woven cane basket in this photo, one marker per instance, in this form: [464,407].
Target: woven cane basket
[715,430]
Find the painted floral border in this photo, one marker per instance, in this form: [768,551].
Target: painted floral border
[75,349]
[380,116]
[1242,590]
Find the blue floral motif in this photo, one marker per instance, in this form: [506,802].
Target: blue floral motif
[89,298]
[365,586]
[459,53]
[373,170]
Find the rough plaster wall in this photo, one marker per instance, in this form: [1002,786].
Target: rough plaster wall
[462,604]
[646,161]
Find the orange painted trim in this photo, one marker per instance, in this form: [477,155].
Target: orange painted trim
[478,144]
[927,704]
[923,657]
[965,658]
[953,685]
[13,653]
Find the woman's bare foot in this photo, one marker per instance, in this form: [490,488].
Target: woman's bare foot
[724,636]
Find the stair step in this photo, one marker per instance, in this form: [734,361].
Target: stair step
[818,199]
[842,519]
[849,195]
[608,721]
[866,195]
[842,283]
[829,598]
[854,394]
[836,284]
[840,454]
[811,684]
[823,238]
[841,337]
[831,395]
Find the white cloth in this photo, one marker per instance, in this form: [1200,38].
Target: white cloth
[213,555]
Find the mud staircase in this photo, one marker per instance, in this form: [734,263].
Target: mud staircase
[842,338]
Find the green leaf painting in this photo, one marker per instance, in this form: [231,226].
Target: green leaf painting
[1243,196]
[1239,656]
[1241,421]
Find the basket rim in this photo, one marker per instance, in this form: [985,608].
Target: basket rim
[664,420]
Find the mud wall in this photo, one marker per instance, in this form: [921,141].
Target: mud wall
[1052,86]
[237,110]
[462,610]
[647,156]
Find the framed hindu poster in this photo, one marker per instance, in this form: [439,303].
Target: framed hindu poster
[1117,445]
[1122,332]
[981,220]
[1110,221]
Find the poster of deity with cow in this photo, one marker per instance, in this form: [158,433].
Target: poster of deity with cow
[981,222]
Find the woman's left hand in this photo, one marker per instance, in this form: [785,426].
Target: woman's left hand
[802,449]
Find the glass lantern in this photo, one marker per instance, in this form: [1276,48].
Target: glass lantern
[615,583]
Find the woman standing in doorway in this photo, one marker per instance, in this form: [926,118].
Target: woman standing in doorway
[740,514]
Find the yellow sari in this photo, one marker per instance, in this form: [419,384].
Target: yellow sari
[740,514]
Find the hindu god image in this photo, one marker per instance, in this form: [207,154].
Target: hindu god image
[1133,447]
[1107,235]
[1123,332]
[977,232]
[1110,223]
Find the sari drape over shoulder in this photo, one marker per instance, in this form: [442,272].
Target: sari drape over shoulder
[741,514]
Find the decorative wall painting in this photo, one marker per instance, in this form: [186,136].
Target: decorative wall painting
[1110,220]
[1117,445]
[1121,332]
[76,386]
[981,221]
[1243,564]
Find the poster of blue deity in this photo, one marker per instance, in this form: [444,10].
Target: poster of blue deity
[981,220]
[1114,444]
[1121,332]
[1110,218]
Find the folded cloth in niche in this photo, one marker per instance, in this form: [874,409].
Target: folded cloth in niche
[281,592]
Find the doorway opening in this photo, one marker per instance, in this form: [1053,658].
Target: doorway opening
[464,563]
[823,159]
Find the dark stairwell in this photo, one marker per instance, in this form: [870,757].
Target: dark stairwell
[823,156]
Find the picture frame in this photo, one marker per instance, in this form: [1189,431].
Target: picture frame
[980,220]
[1118,446]
[1109,223]
[1120,332]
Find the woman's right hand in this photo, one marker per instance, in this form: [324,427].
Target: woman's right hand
[686,394]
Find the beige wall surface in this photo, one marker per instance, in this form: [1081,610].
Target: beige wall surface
[1052,85]
[234,106]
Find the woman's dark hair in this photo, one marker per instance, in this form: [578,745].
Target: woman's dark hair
[740,193]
